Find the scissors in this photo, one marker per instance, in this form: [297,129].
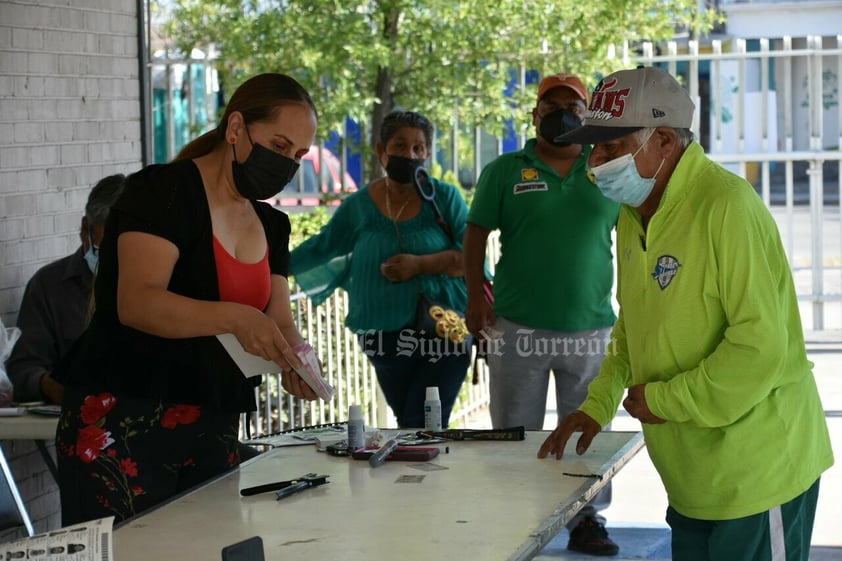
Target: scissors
[427,191]
[285,488]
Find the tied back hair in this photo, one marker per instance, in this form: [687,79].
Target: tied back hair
[397,120]
[258,99]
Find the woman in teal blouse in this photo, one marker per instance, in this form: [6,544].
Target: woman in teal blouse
[383,246]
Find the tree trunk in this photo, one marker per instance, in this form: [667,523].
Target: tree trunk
[384,90]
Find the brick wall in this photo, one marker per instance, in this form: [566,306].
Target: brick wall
[69,115]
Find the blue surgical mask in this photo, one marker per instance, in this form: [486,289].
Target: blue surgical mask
[92,255]
[620,181]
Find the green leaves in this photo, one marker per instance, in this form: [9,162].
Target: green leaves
[432,56]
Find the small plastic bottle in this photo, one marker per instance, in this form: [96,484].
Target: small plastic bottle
[356,427]
[432,410]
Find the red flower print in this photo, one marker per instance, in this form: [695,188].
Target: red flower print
[95,407]
[129,467]
[91,441]
[180,415]
[231,459]
[137,490]
[112,453]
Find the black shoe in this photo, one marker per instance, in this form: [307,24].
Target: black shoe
[589,536]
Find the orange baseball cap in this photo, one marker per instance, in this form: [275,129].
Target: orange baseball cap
[562,80]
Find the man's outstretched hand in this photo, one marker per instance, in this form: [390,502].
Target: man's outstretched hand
[575,422]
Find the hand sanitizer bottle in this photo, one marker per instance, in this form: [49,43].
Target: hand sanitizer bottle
[356,427]
[432,410]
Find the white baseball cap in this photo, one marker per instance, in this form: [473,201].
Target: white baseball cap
[630,100]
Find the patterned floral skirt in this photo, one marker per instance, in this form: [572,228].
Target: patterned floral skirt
[119,456]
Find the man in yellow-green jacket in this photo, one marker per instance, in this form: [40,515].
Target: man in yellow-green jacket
[708,347]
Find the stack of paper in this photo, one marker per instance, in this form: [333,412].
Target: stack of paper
[88,541]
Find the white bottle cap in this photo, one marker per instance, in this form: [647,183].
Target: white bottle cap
[355,412]
[432,393]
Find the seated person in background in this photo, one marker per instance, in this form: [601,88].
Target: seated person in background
[55,303]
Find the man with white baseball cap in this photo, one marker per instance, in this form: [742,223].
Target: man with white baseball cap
[553,281]
[708,346]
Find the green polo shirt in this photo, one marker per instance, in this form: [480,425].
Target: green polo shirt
[555,270]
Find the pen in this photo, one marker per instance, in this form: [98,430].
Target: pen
[305,483]
[380,456]
[594,475]
[294,488]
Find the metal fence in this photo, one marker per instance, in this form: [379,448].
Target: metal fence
[770,110]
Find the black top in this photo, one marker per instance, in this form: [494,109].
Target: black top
[168,201]
[51,317]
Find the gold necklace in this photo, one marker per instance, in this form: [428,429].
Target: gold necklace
[394,217]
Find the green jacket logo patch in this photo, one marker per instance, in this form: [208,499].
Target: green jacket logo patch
[665,270]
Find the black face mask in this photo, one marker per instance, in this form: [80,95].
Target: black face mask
[264,173]
[402,170]
[556,124]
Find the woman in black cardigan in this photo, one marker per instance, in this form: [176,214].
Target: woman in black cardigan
[152,400]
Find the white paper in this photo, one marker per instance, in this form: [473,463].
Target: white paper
[49,410]
[252,365]
[299,438]
[249,364]
[88,541]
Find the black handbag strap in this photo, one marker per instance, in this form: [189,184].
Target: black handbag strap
[420,176]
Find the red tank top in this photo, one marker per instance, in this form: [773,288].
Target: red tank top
[245,283]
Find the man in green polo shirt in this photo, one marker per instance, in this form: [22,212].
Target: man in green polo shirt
[552,283]
[708,346]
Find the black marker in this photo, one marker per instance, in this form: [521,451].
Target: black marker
[311,479]
[248,491]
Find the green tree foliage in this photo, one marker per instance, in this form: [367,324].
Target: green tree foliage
[306,224]
[362,58]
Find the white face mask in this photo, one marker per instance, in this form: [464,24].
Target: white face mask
[92,255]
[620,181]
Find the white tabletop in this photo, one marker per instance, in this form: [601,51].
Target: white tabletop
[28,427]
[492,500]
